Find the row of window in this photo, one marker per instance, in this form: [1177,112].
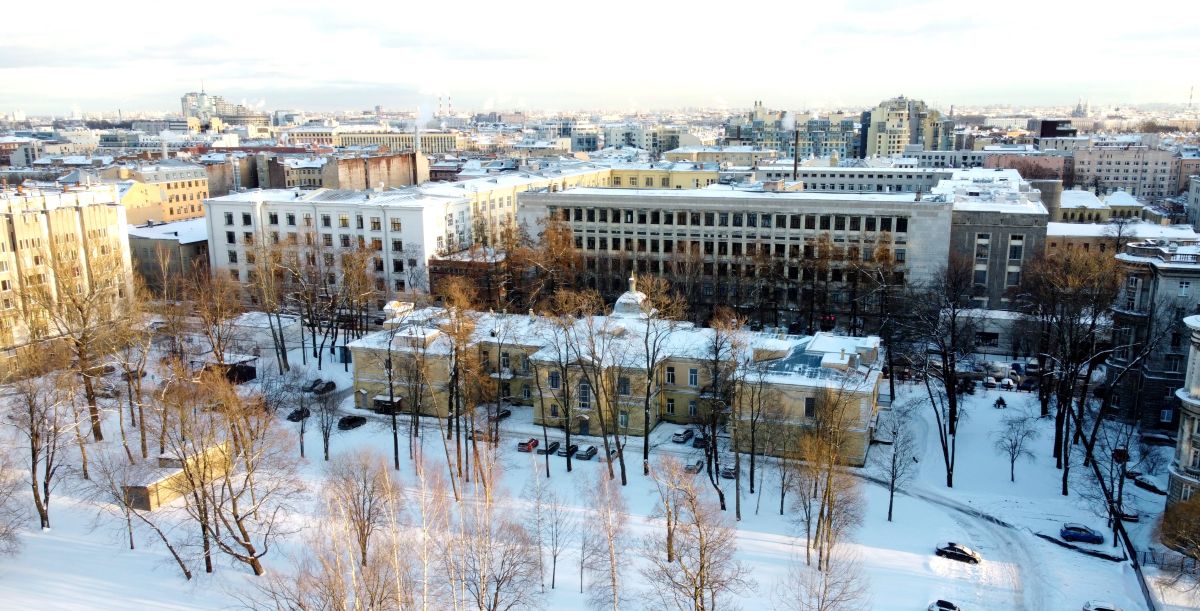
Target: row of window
[735,219]
[376,223]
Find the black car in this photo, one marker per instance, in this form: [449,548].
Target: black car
[500,415]
[694,466]
[549,449]
[727,472]
[129,375]
[351,422]
[586,454]
[312,386]
[943,605]
[568,450]
[612,453]
[683,436]
[699,441]
[961,553]
[324,388]
[299,414]
[1028,384]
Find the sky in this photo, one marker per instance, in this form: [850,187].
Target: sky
[620,55]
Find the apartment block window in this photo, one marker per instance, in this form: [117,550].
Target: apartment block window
[525,392]
[555,380]
[1016,247]
[326,220]
[273,218]
[232,256]
[228,218]
[327,239]
[345,239]
[553,410]
[1185,288]
[358,221]
[982,246]
[230,237]
[328,260]
[671,406]
[693,377]
[395,224]
[810,407]
[902,224]
[376,223]
[585,395]
[670,375]
[344,221]
[980,277]
[376,244]
[246,218]
[397,245]
[397,266]
[234,274]
[623,386]
[1166,415]
[623,417]
[291,219]
[1174,363]
[692,409]
[1013,278]
[899,255]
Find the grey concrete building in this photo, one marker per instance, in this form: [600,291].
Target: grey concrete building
[1185,468]
[182,245]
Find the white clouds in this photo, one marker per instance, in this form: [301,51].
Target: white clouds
[617,54]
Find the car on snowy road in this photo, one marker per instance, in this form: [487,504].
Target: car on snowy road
[347,423]
[568,450]
[943,605]
[694,466]
[961,553]
[1079,532]
[528,445]
[550,449]
[1097,605]
[586,453]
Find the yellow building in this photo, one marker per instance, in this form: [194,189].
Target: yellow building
[143,202]
[45,232]
[724,156]
[664,175]
[572,374]
[183,187]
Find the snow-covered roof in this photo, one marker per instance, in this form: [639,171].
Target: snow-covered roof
[1121,198]
[184,232]
[1135,230]
[1076,198]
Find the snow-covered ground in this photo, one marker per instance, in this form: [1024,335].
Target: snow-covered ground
[81,565]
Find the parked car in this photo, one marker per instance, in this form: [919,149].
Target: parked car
[989,382]
[961,553]
[612,453]
[1007,384]
[585,454]
[347,423]
[299,414]
[1130,517]
[694,466]
[550,448]
[503,413]
[482,435]
[1032,367]
[682,436]
[1018,368]
[528,445]
[1099,605]
[699,441]
[105,390]
[129,375]
[727,472]
[312,386]
[1028,384]
[568,450]
[943,605]
[324,388]
[1079,532]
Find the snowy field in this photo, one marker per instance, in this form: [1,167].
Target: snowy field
[84,561]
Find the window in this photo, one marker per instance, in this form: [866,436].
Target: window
[555,380]
[1185,288]
[230,237]
[810,407]
[344,221]
[291,219]
[525,392]
[671,406]
[693,377]
[623,386]
[553,410]
[233,273]
[585,395]
[1166,415]
[504,361]
[376,223]
[232,256]
[623,417]
[327,239]
[345,238]
[692,408]
[228,218]
[984,338]
[670,375]
[1013,278]
[326,221]
[899,255]
[395,224]
[246,218]
[273,218]
[1174,363]
[397,245]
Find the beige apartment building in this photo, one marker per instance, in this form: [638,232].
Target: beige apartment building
[525,356]
[432,142]
[1138,170]
[183,188]
[724,156]
[45,231]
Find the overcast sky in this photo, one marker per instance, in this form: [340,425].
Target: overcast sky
[621,55]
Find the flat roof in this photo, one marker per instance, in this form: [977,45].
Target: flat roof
[184,232]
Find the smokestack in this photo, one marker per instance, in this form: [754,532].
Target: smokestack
[796,153]
[165,153]
[417,131]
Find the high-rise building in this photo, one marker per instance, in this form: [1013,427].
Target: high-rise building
[899,122]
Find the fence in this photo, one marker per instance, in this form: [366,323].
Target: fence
[1169,561]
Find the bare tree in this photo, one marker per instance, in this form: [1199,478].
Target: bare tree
[327,418]
[841,587]
[38,411]
[1180,531]
[897,461]
[661,310]
[11,515]
[700,570]
[561,526]
[1013,441]
[722,356]
[607,529]
[363,494]
[537,493]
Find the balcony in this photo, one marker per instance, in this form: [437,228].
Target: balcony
[504,373]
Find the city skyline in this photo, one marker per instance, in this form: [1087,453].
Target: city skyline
[546,57]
